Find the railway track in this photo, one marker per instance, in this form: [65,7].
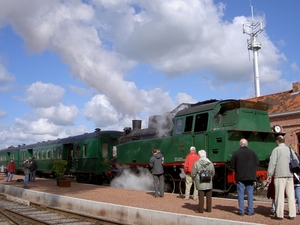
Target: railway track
[17,211]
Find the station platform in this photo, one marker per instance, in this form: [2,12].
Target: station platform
[134,207]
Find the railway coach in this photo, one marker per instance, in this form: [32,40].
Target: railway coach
[88,155]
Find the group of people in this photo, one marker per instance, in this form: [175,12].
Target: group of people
[194,164]
[29,168]
[244,163]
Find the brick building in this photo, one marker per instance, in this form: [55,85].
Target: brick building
[284,110]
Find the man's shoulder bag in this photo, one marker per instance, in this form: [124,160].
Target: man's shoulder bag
[294,164]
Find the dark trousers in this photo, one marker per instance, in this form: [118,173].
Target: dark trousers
[208,194]
[159,184]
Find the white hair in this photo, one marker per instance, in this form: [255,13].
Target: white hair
[192,148]
[202,153]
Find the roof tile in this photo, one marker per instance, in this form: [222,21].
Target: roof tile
[281,102]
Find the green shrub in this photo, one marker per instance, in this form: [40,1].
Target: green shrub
[59,168]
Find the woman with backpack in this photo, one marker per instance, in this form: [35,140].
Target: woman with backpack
[203,183]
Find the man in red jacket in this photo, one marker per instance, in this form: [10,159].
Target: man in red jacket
[190,159]
[11,170]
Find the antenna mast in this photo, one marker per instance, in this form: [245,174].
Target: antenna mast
[254,45]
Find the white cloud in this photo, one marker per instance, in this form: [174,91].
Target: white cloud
[100,111]
[184,98]
[59,115]
[294,66]
[2,113]
[102,42]
[44,95]
[6,79]
[78,90]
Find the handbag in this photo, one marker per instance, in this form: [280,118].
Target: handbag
[294,164]
[205,176]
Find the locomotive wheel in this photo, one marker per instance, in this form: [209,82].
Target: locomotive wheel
[169,183]
[182,187]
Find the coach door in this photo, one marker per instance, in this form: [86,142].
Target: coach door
[68,154]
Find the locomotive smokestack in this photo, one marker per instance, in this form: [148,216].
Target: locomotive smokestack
[136,124]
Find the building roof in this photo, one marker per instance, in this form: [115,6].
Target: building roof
[282,102]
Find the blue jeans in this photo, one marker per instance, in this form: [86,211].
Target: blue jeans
[241,185]
[26,178]
[297,195]
[9,176]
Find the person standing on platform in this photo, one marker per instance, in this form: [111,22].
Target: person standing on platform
[33,169]
[204,187]
[11,170]
[157,169]
[297,188]
[271,194]
[283,178]
[244,162]
[190,159]
[26,169]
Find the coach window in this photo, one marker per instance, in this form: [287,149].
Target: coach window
[188,124]
[179,124]
[77,151]
[23,155]
[201,122]
[43,154]
[53,153]
[48,154]
[58,153]
[104,150]
[84,150]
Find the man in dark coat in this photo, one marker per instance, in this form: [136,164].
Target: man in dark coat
[244,162]
[26,170]
[157,169]
[33,169]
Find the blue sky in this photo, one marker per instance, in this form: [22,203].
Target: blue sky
[68,67]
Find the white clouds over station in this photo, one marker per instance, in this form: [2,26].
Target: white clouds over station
[103,42]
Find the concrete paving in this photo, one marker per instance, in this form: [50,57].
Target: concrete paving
[130,215]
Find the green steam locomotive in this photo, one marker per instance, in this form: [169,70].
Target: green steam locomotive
[213,125]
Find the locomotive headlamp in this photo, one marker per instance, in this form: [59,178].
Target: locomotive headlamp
[277,128]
